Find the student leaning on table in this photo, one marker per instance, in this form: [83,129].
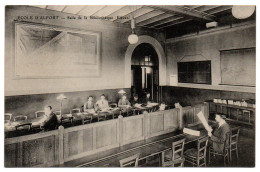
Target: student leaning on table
[220,136]
[49,121]
[123,102]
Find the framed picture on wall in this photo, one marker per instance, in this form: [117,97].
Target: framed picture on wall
[44,51]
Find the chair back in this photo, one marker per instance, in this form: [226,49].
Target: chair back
[233,140]
[20,118]
[56,113]
[202,146]
[113,105]
[39,114]
[130,160]
[8,117]
[76,110]
[178,148]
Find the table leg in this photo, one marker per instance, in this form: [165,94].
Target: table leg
[237,113]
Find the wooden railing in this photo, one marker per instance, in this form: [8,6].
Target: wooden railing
[62,145]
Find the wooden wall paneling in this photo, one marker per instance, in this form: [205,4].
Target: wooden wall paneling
[11,154]
[146,126]
[187,115]
[156,123]
[121,130]
[60,145]
[133,128]
[171,119]
[32,150]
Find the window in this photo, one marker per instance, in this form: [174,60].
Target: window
[198,72]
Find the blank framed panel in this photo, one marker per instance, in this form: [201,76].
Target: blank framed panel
[238,67]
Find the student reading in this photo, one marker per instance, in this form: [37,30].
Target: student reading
[220,136]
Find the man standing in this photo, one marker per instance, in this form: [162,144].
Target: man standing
[220,137]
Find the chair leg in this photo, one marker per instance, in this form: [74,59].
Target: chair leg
[230,154]
[209,156]
[237,152]
[205,161]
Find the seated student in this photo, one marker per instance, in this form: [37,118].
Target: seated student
[50,119]
[135,100]
[102,104]
[89,104]
[162,106]
[123,102]
[220,136]
[147,99]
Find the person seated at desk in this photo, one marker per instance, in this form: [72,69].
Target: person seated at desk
[50,119]
[102,104]
[135,100]
[123,102]
[147,99]
[89,104]
[162,106]
[220,137]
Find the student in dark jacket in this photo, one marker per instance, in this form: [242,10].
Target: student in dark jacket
[134,100]
[220,136]
[51,120]
[147,99]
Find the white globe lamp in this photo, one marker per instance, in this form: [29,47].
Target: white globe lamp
[243,11]
[133,38]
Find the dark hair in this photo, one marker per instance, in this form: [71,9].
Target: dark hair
[220,115]
[136,95]
[102,95]
[90,96]
[49,107]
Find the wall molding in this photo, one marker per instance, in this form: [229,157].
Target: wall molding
[218,30]
[218,87]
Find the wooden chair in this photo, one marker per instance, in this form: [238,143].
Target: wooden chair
[102,116]
[225,153]
[175,163]
[76,110]
[197,156]
[39,114]
[233,141]
[129,161]
[169,157]
[87,118]
[246,115]
[20,118]
[8,117]
[130,112]
[113,105]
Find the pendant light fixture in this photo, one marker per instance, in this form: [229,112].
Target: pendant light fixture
[133,38]
[243,11]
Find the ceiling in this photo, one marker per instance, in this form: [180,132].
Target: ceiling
[158,17]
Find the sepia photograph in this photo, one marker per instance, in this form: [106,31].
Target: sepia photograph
[129,86]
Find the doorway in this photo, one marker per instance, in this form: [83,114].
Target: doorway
[145,71]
